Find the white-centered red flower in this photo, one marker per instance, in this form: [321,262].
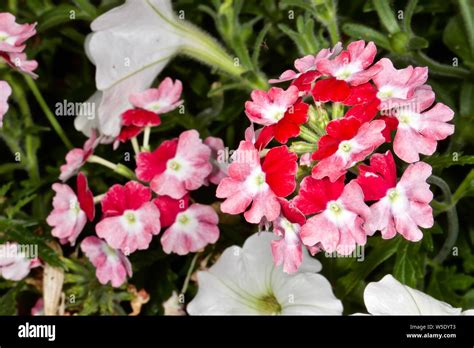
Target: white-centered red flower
[71,211]
[191,228]
[352,65]
[281,110]
[5,92]
[14,263]
[130,219]
[176,166]
[347,142]
[419,131]
[219,163]
[12,34]
[338,225]
[77,157]
[400,207]
[250,181]
[111,264]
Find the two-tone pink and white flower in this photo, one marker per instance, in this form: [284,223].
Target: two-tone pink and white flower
[395,85]
[71,211]
[159,100]
[347,142]
[190,228]
[111,264]
[402,207]
[14,263]
[251,181]
[419,131]
[338,225]
[77,157]
[130,219]
[12,34]
[5,92]
[176,166]
[288,250]
[219,164]
[352,65]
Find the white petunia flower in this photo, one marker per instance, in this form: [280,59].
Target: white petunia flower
[130,45]
[245,281]
[390,297]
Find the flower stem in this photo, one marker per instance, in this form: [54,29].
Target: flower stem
[136,147]
[190,272]
[117,168]
[452,215]
[44,106]
[98,198]
[146,138]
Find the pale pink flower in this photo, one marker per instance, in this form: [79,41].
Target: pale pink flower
[159,100]
[111,265]
[288,249]
[192,230]
[77,157]
[219,165]
[5,92]
[67,217]
[261,183]
[20,62]
[176,166]
[348,141]
[338,225]
[401,207]
[14,264]
[419,130]
[394,85]
[12,34]
[353,64]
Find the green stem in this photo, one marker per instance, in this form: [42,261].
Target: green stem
[44,106]
[117,168]
[386,16]
[146,138]
[440,69]
[452,215]
[468,22]
[136,147]
[190,272]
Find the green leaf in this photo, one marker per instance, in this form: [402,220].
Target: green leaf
[87,7]
[59,15]
[446,161]
[454,36]
[417,43]
[386,15]
[13,210]
[467,100]
[8,304]
[409,265]
[361,271]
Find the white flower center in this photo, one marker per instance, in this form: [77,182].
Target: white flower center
[255,182]
[187,222]
[130,217]
[74,206]
[177,167]
[268,305]
[347,71]
[154,106]
[345,146]
[5,37]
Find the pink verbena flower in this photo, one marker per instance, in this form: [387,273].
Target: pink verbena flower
[191,229]
[288,249]
[77,157]
[261,183]
[176,166]
[12,34]
[111,265]
[219,165]
[130,218]
[281,110]
[394,85]
[419,130]
[71,212]
[14,264]
[347,142]
[352,65]
[340,214]
[5,92]
[159,100]
[20,62]
[401,207]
